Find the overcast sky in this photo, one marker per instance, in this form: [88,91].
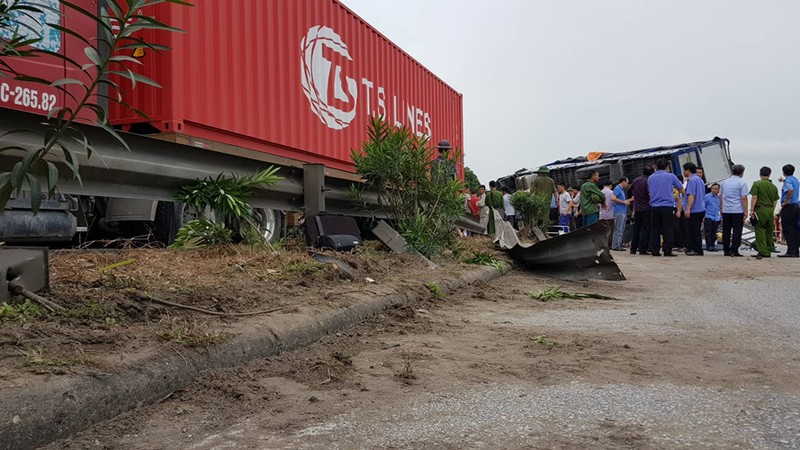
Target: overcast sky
[545,80]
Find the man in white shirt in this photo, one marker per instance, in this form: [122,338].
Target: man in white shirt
[564,205]
[607,210]
[733,204]
[510,215]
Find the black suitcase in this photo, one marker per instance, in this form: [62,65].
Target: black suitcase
[339,242]
[332,225]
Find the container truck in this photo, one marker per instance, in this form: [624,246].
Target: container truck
[251,83]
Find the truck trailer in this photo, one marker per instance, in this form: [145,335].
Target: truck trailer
[248,85]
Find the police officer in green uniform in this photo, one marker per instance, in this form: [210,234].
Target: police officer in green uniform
[765,197]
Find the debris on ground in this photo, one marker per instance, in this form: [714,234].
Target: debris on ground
[555,293]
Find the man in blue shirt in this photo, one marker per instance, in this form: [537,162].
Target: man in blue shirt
[713,217]
[733,204]
[662,208]
[694,209]
[790,210]
[621,203]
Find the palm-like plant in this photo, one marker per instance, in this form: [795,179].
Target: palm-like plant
[227,197]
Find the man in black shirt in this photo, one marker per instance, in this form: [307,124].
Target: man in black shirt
[640,239]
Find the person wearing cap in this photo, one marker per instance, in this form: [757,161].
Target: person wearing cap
[544,184]
[442,168]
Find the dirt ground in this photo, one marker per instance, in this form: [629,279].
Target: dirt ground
[412,377]
[106,319]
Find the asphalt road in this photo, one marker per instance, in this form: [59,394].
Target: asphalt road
[696,353]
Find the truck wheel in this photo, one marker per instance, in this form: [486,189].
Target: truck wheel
[168,220]
[270,223]
[170,217]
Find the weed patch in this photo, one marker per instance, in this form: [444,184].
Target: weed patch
[555,293]
[122,281]
[545,341]
[191,335]
[40,363]
[486,259]
[20,311]
[91,311]
[88,310]
[303,269]
[436,290]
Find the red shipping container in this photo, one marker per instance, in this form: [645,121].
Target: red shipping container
[298,79]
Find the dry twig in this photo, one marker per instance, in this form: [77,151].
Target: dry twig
[49,305]
[330,378]
[145,297]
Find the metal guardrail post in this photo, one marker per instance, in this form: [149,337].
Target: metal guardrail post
[23,267]
[313,189]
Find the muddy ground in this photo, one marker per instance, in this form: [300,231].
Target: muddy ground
[696,352]
[107,321]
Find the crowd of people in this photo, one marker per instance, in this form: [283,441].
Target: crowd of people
[483,203]
[670,212]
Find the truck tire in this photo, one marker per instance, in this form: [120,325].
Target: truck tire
[168,220]
[270,223]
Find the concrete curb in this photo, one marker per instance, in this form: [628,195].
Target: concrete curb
[32,419]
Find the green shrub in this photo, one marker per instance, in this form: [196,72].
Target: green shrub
[425,236]
[227,197]
[534,206]
[202,232]
[471,180]
[396,166]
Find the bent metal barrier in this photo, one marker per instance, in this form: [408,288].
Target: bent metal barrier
[580,255]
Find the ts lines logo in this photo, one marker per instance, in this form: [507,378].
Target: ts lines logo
[333,91]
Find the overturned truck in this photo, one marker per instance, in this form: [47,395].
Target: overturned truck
[584,253]
[712,155]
